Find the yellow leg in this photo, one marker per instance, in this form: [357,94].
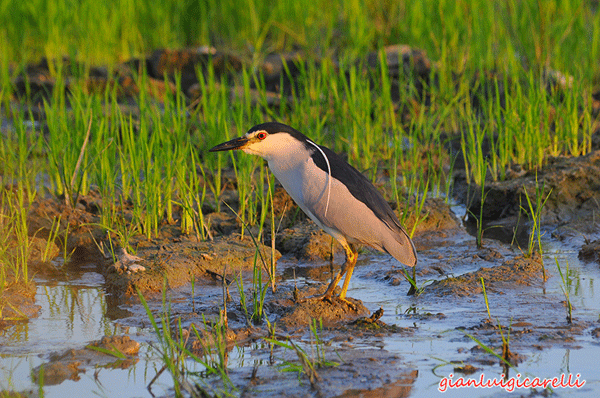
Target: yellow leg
[351,257]
[347,268]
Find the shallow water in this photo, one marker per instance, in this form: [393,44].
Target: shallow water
[74,313]
[437,341]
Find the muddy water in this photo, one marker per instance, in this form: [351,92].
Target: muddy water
[411,360]
[73,313]
[437,341]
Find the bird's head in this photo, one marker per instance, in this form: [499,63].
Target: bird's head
[267,140]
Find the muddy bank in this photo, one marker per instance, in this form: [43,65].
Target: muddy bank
[178,259]
[17,304]
[279,72]
[568,186]
[450,270]
[513,272]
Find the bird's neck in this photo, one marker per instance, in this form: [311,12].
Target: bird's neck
[287,160]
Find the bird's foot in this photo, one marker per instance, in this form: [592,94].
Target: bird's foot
[324,297]
[329,298]
[348,303]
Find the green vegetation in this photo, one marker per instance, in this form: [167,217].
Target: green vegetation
[462,35]
[308,363]
[172,346]
[534,210]
[505,356]
[14,240]
[515,121]
[510,82]
[566,287]
[507,106]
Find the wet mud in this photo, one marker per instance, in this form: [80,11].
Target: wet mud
[451,269]
[109,352]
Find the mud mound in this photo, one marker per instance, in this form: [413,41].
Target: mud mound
[298,315]
[436,215]
[517,271]
[82,221]
[308,242]
[572,186]
[17,304]
[177,260]
[110,351]
[590,251]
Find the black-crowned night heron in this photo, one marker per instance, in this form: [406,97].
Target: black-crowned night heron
[335,195]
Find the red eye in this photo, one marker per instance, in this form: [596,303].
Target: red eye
[262,135]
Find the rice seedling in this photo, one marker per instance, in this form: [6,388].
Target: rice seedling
[15,247]
[172,347]
[274,232]
[308,364]
[40,381]
[19,149]
[65,161]
[174,353]
[192,195]
[52,236]
[239,281]
[535,211]
[479,220]
[122,228]
[487,304]
[471,144]
[317,344]
[212,109]
[259,291]
[258,294]
[193,293]
[169,349]
[113,351]
[566,287]
[505,355]
[216,355]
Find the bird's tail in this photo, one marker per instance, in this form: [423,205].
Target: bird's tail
[403,249]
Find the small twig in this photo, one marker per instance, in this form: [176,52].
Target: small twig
[225,297]
[79,160]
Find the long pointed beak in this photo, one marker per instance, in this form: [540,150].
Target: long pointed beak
[236,143]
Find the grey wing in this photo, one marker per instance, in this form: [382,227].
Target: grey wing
[372,220]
